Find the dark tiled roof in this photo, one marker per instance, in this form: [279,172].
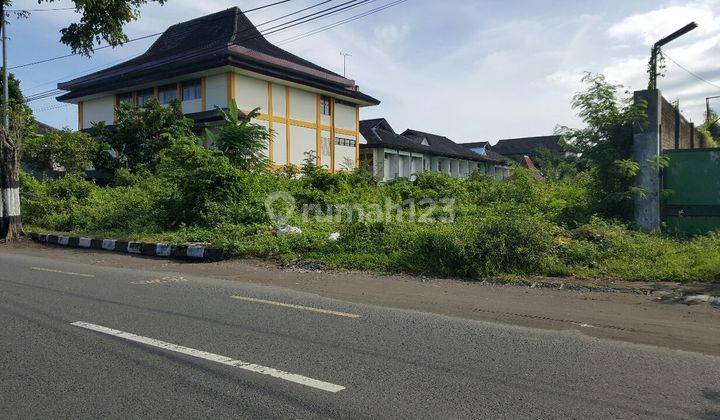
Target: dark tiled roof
[43,128]
[475,144]
[445,146]
[525,146]
[216,40]
[379,133]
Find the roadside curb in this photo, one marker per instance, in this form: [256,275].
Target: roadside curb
[148,249]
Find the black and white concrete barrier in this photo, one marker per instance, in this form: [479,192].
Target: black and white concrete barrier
[9,205]
[149,249]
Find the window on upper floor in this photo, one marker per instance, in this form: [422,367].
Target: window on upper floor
[340,141]
[126,97]
[167,93]
[191,90]
[144,96]
[325,107]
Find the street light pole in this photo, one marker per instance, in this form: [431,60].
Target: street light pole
[655,53]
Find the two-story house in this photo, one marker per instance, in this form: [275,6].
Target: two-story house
[209,61]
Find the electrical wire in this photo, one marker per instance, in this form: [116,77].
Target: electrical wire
[339,23]
[47,60]
[315,16]
[697,76]
[210,46]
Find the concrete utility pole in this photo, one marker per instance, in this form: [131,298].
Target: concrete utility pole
[5,123]
[345,56]
[655,53]
[10,219]
[709,111]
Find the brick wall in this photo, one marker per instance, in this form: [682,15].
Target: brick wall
[676,132]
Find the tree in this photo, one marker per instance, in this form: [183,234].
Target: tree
[71,150]
[100,20]
[141,133]
[605,144]
[555,165]
[241,140]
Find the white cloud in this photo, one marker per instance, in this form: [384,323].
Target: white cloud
[392,33]
[472,72]
[654,25]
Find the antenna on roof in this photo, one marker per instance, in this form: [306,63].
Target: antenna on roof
[345,56]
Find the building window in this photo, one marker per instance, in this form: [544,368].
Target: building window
[144,96]
[344,142]
[167,93]
[191,90]
[126,97]
[325,108]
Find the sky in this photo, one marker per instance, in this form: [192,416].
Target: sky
[474,70]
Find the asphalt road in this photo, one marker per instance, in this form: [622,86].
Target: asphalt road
[89,341]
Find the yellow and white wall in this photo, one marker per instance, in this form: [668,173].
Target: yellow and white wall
[292,112]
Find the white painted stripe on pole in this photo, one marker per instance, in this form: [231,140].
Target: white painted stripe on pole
[133,247]
[11,198]
[108,244]
[195,251]
[69,273]
[293,306]
[163,250]
[263,370]
[63,240]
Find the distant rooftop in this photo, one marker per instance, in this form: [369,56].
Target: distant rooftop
[379,133]
[525,145]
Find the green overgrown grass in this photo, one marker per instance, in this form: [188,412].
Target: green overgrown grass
[513,228]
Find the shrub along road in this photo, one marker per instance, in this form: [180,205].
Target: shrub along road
[85,337]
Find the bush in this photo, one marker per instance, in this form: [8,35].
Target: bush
[74,151]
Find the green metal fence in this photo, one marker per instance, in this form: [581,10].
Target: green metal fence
[692,191]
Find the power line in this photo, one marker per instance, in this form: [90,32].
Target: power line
[697,76]
[193,54]
[33,63]
[52,92]
[210,46]
[73,54]
[266,6]
[339,23]
[52,9]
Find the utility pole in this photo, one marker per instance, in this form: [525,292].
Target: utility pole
[5,124]
[656,49]
[6,88]
[708,114]
[11,224]
[345,56]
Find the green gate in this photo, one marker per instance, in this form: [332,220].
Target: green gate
[692,185]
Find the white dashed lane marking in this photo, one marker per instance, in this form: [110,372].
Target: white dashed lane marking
[67,273]
[263,370]
[293,306]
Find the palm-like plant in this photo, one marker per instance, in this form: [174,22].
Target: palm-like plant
[241,140]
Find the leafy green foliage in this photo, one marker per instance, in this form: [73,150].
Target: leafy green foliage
[100,20]
[242,141]
[554,165]
[141,134]
[606,144]
[71,150]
